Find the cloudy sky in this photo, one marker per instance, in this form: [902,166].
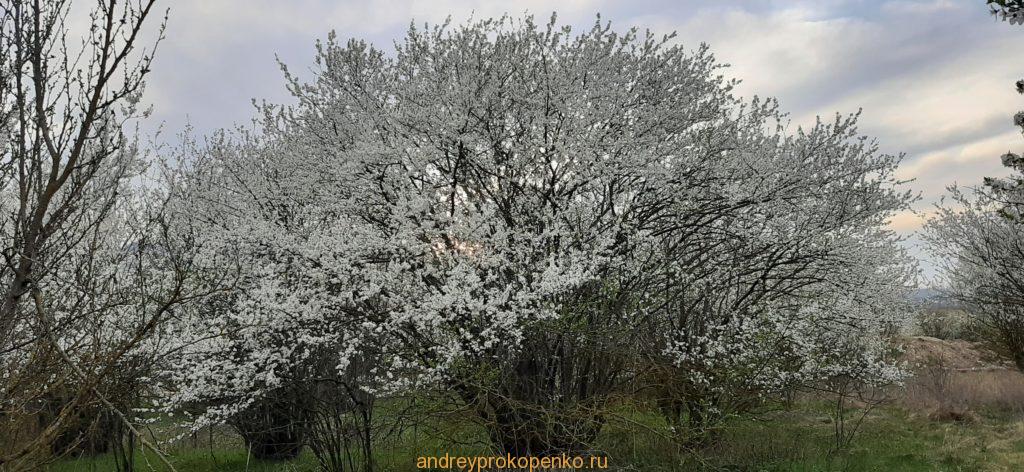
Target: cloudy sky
[934,78]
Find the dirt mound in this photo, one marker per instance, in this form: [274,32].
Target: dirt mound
[949,353]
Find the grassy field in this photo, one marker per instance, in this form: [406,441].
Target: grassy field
[959,412]
[891,438]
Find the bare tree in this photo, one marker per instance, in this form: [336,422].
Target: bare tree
[90,265]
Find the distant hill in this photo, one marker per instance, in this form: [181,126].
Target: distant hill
[932,298]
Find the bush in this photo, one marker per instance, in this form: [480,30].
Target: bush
[946,323]
[274,428]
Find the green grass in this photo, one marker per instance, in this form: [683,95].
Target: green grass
[891,439]
[192,460]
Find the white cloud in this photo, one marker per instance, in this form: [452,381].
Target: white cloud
[932,77]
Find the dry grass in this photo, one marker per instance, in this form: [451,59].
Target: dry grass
[956,381]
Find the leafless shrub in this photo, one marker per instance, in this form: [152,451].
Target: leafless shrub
[949,324]
[944,393]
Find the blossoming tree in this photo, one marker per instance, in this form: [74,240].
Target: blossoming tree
[534,220]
